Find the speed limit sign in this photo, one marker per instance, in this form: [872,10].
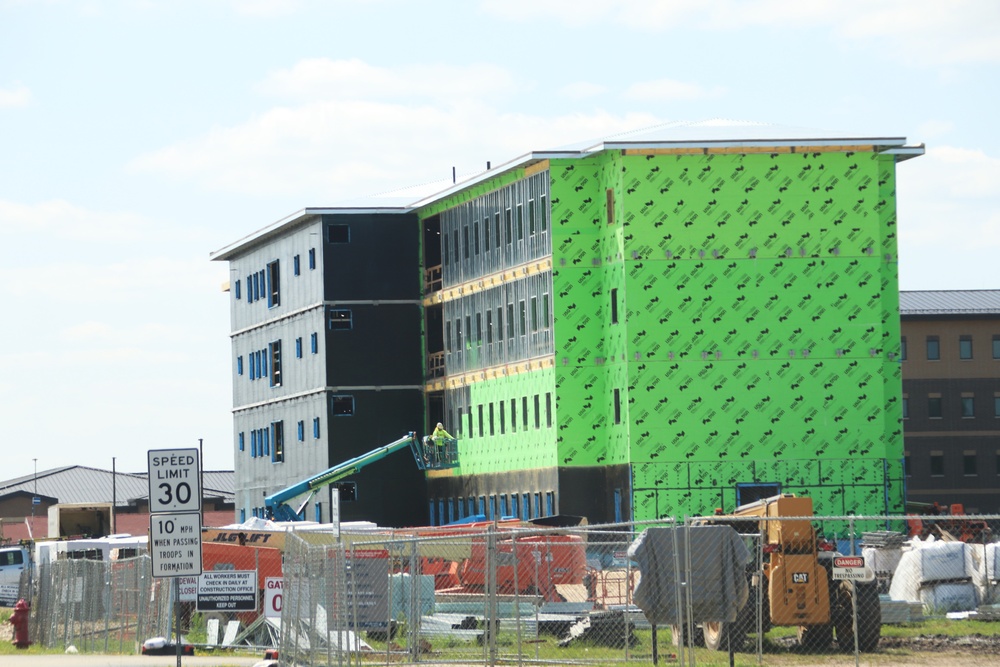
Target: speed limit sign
[174,480]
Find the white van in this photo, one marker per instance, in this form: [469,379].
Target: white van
[13,561]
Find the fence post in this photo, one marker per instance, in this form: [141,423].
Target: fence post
[517,599]
[854,598]
[491,592]
[413,604]
[106,595]
[627,611]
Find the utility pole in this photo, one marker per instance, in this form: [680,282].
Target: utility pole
[114,493]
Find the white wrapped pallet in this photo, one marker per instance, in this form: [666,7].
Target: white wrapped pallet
[993,561]
[944,561]
[882,559]
[927,562]
[941,598]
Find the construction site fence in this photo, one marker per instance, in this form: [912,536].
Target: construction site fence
[510,593]
[576,595]
[97,606]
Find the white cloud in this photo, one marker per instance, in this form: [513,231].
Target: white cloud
[265,8]
[949,219]
[582,90]
[927,31]
[672,91]
[17,96]
[931,129]
[61,220]
[338,80]
[331,149]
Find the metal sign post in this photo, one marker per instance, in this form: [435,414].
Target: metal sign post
[175,520]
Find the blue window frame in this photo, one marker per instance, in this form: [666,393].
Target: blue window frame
[318,511]
[236,290]
[301,431]
[314,343]
[295,265]
[339,319]
[430,511]
[316,428]
[263,363]
[274,354]
[266,432]
[298,348]
[312,258]
[243,514]
[277,434]
[272,279]
[253,444]
[253,366]
[239,365]
[242,441]
[342,405]
[550,503]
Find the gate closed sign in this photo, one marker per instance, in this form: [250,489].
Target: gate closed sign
[851,568]
[227,590]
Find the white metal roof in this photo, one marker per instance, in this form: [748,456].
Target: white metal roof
[712,133]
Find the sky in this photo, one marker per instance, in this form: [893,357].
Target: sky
[139,136]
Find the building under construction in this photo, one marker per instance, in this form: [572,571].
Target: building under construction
[656,324]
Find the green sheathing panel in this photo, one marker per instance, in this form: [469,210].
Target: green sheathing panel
[589,349]
[513,447]
[761,323]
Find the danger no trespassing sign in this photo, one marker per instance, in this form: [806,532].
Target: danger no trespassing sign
[851,568]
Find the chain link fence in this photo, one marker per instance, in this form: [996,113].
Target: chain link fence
[768,587]
[98,606]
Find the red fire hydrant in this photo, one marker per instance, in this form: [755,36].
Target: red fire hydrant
[19,619]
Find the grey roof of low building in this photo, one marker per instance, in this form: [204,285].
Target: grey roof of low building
[81,484]
[949,302]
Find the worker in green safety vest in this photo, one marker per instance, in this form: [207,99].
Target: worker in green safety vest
[434,453]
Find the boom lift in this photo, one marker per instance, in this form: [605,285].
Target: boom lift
[427,454]
[799,587]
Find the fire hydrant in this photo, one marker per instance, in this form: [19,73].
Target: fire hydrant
[19,619]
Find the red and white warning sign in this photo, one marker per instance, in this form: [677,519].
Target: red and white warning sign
[852,568]
[272,597]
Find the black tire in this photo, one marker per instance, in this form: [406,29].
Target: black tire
[677,631]
[816,637]
[719,636]
[869,617]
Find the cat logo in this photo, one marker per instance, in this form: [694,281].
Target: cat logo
[800,577]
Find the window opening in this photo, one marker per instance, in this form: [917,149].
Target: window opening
[340,319]
[278,438]
[343,406]
[275,353]
[338,234]
[273,285]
